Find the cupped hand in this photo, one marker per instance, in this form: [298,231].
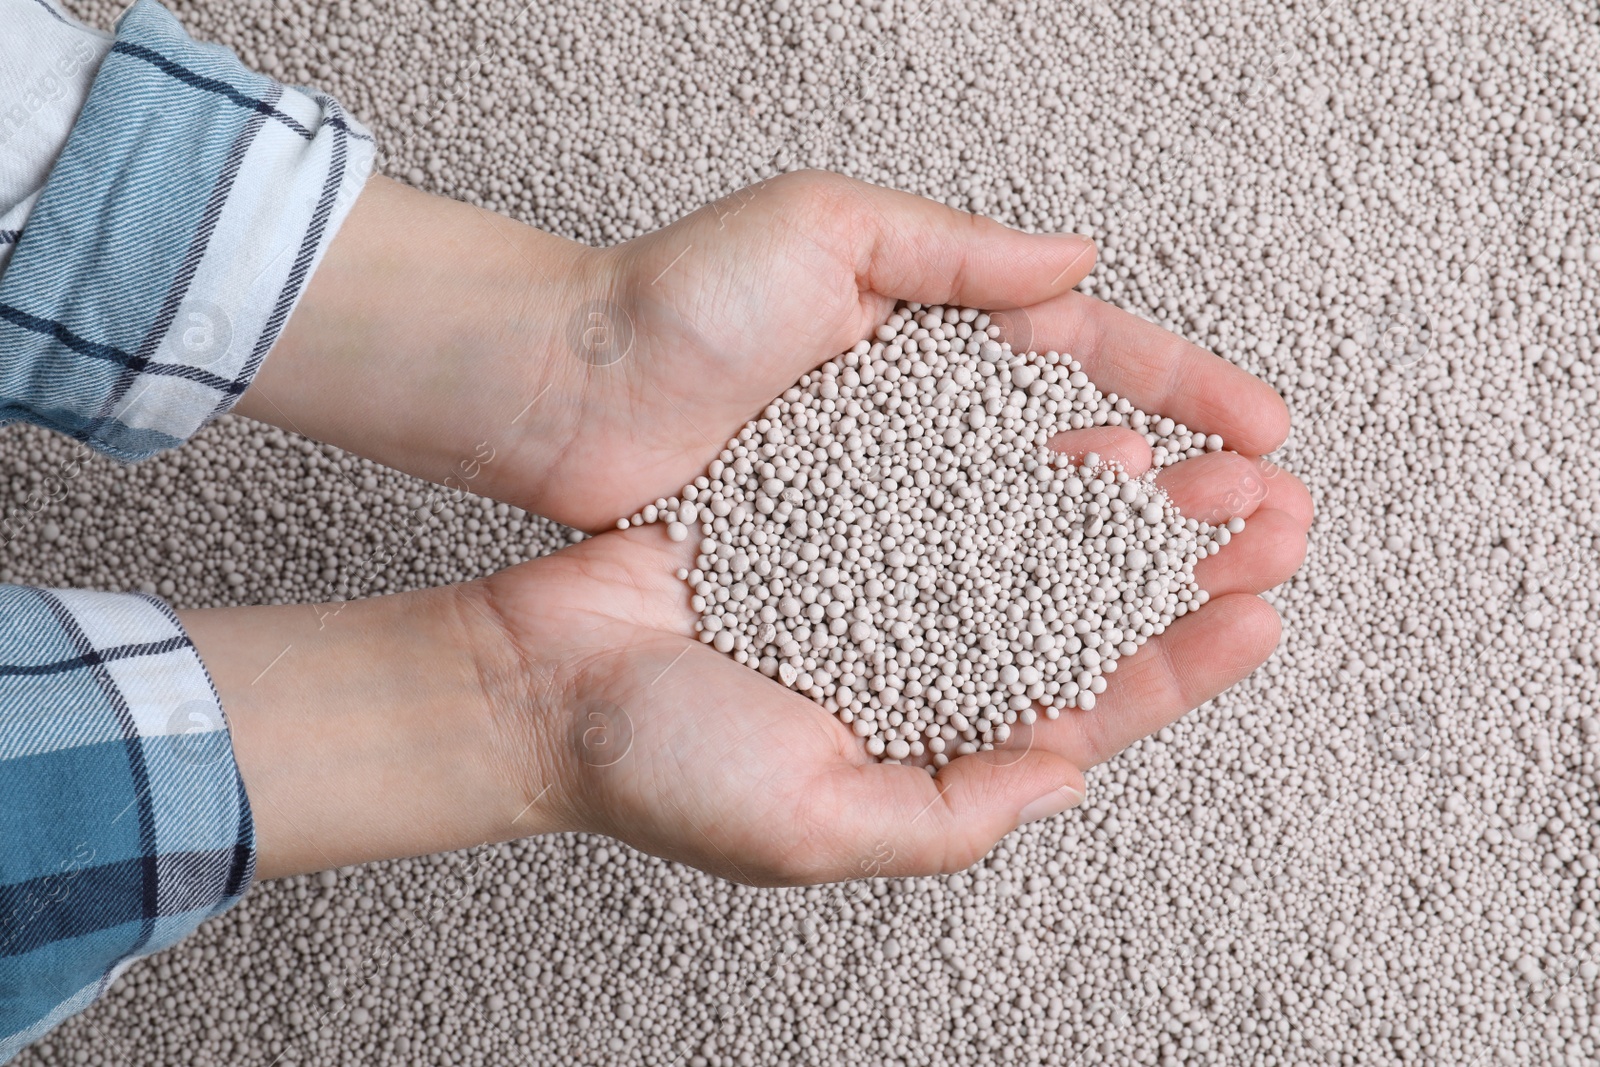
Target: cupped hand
[699,325]
[582,384]
[613,718]
[579,383]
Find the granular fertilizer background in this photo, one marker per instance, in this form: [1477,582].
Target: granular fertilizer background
[1381,848]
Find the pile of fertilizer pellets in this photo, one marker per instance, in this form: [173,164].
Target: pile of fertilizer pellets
[894,538]
[1383,847]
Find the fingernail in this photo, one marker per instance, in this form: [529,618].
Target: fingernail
[1052,803]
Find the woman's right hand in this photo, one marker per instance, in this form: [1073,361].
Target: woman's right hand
[611,717]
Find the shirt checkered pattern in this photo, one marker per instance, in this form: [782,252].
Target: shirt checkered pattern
[148,277]
[123,821]
[176,231]
[47,63]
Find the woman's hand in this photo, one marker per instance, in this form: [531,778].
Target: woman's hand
[730,305]
[435,333]
[569,693]
[613,718]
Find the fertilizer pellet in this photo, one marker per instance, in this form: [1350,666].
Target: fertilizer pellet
[894,538]
[1381,848]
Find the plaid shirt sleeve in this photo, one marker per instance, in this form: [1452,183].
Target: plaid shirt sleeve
[123,820]
[179,221]
[173,237]
[47,63]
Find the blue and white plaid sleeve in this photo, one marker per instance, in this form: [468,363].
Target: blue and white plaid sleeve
[150,273]
[47,63]
[172,239]
[123,820]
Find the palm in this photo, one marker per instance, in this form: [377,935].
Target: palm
[666,743]
[685,753]
[718,324]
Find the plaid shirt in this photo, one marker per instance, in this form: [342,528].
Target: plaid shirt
[158,239]
[123,822]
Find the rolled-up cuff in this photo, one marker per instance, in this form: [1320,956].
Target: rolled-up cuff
[175,234]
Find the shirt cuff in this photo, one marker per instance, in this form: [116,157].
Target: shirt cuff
[176,232]
[47,63]
[123,820]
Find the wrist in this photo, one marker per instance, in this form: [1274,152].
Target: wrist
[531,751]
[363,731]
[433,338]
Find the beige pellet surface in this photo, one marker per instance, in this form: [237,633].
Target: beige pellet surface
[1379,849]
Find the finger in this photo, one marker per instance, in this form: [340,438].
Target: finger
[1287,494]
[1198,656]
[1215,487]
[912,248]
[902,822]
[1219,485]
[1264,554]
[1113,444]
[1159,371]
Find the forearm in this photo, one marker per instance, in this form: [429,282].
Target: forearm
[429,338]
[362,731]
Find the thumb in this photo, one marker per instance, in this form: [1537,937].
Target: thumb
[911,248]
[898,821]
